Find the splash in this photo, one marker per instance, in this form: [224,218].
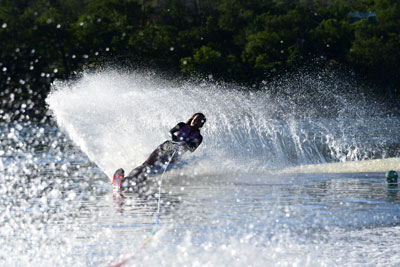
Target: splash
[117,118]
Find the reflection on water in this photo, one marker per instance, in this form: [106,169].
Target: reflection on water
[392,193]
[58,208]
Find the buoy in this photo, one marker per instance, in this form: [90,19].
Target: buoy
[391,177]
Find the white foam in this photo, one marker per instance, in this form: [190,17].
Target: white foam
[118,118]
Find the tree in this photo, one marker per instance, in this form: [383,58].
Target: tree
[375,48]
[208,61]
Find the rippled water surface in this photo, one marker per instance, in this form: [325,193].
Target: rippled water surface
[58,209]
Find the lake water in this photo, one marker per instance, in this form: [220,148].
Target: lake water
[230,204]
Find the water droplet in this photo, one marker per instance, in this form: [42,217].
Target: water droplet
[4,69]
[4,25]
[58,26]
[172,48]
[48,21]
[55,70]
[107,49]
[71,195]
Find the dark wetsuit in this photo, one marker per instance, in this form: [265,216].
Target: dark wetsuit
[183,139]
[181,132]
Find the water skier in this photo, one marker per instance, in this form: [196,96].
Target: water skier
[185,137]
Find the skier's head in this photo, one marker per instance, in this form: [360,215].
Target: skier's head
[197,120]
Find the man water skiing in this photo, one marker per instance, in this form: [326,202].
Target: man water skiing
[185,136]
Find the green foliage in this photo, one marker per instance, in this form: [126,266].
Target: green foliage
[375,48]
[207,60]
[155,44]
[261,50]
[333,38]
[241,40]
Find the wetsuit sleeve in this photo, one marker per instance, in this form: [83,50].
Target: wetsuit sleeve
[176,129]
[194,143]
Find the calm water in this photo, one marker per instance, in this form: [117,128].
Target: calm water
[58,209]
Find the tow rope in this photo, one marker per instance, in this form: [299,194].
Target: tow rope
[156,224]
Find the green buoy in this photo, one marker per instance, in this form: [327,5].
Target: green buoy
[391,177]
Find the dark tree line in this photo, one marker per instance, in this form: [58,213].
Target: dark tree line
[235,40]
